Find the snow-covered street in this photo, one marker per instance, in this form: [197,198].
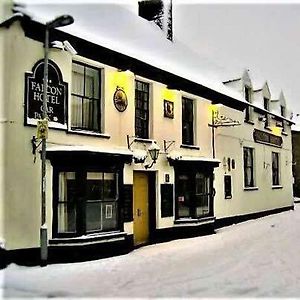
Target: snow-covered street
[258,258]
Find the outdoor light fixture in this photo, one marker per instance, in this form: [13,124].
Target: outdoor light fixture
[153,152]
[60,21]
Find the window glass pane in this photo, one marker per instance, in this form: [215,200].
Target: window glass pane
[77,79]
[202,194]
[76,111]
[275,168]
[67,203]
[185,194]
[93,216]
[92,83]
[248,167]
[109,186]
[109,215]
[187,121]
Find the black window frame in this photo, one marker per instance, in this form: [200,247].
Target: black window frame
[188,134]
[142,99]
[275,169]
[96,124]
[248,151]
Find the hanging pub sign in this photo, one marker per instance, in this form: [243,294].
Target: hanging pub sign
[267,138]
[57,91]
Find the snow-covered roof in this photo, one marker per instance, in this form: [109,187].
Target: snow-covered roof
[118,28]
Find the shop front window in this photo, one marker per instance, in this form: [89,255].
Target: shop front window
[193,194]
[87,202]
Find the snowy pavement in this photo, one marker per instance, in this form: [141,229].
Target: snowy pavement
[258,258]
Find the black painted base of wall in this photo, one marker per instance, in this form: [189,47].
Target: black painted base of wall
[168,234]
[242,218]
[66,254]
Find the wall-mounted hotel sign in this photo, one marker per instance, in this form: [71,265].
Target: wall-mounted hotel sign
[57,93]
[267,138]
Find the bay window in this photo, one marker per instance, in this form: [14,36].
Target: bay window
[193,194]
[87,202]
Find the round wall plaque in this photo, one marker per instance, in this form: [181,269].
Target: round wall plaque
[120,99]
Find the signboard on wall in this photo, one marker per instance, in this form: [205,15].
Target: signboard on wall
[267,138]
[57,93]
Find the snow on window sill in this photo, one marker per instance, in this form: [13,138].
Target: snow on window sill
[251,188]
[274,187]
[88,239]
[92,133]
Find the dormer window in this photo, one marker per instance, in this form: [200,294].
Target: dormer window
[248,99]
[282,112]
[266,107]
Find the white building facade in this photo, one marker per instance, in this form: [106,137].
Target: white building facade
[106,111]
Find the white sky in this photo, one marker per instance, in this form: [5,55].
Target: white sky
[264,38]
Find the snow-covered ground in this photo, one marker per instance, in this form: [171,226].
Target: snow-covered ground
[258,258]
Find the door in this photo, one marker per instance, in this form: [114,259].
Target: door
[140,208]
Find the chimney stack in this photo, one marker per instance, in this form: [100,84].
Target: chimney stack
[159,12]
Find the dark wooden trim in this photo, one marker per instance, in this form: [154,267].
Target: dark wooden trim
[242,218]
[35,31]
[181,232]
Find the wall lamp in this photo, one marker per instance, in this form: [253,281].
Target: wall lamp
[153,151]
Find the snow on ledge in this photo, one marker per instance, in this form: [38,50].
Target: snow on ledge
[175,155]
[139,155]
[120,151]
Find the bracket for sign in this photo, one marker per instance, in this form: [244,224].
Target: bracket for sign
[35,145]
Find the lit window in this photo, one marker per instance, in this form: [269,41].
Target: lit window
[85,103]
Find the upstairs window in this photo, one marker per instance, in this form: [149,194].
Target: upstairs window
[141,109]
[248,167]
[248,99]
[275,168]
[267,107]
[187,121]
[85,101]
